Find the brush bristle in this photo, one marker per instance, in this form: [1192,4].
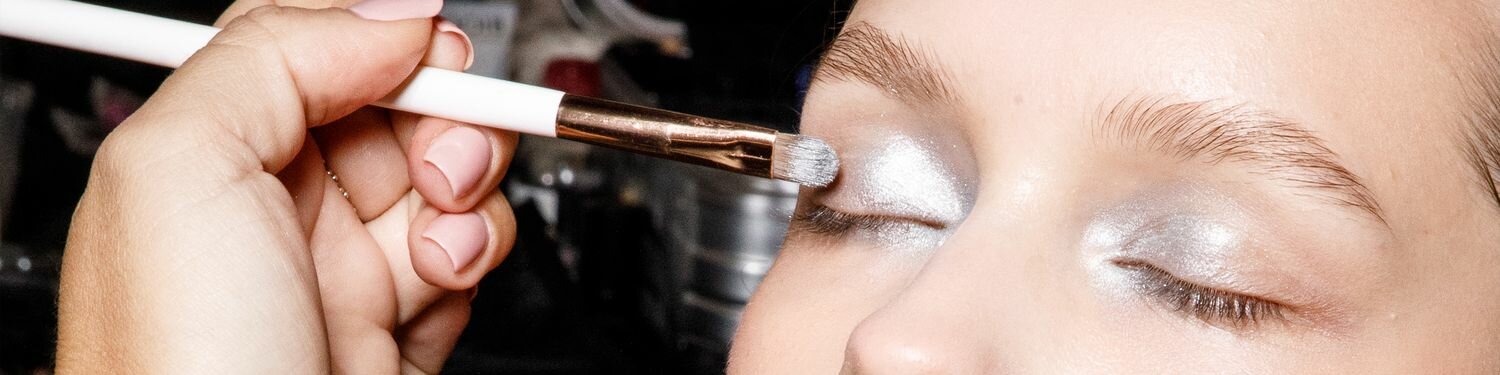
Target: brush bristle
[805,160]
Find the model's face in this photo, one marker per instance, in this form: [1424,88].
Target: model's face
[1139,186]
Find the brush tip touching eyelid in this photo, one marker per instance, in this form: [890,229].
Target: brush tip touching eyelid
[805,160]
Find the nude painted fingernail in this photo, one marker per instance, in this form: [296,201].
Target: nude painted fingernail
[394,10]
[462,154]
[447,26]
[462,236]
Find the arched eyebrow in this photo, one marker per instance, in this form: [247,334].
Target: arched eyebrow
[1481,140]
[1277,148]
[900,69]
[1274,147]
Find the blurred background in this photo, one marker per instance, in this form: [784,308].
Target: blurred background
[623,264]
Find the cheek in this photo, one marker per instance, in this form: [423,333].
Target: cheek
[800,317]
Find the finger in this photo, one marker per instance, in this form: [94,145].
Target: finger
[239,8]
[390,232]
[198,158]
[449,45]
[301,67]
[358,314]
[414,294]
[454,250]
[362,151]
[428,339]
[304,179]
[453,165]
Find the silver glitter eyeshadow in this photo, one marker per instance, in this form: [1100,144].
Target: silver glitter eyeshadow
[905,177]
[1159,230]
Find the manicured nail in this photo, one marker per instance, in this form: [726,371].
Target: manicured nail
[462,236]
[462,154]
[449,27]
[393,10]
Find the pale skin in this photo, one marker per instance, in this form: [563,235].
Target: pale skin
[1014,288]
[197,247]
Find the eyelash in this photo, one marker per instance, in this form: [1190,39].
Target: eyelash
[1213,306]
[823,220]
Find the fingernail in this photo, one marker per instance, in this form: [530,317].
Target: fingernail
[462,154]
[447,26]
[462,236]
[393,10]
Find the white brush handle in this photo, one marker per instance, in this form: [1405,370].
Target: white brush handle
[160,41]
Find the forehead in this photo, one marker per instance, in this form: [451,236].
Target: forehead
[1273,50]
[1379,80]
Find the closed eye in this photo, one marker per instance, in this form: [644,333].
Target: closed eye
[820,219]
[1213,306]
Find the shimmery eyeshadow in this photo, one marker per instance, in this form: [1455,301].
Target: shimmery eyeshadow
[905,176]
[1168,230]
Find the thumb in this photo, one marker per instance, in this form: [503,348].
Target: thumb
[272,73]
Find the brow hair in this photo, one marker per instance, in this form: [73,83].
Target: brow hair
[867,53]
[1280,149]
[1482,97]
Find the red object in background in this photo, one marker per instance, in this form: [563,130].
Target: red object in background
[577,77]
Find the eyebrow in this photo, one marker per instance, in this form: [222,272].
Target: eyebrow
[1280,149]
[866,53]
[1481,78]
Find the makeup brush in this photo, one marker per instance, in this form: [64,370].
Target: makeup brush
[462,97]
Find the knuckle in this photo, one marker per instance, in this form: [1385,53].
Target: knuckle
[502,220]
[264,29]
[118,145]
[252,29]
[120,152]
[262,14]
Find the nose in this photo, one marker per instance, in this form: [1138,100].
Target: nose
[942,322]
[895,343]
[929,329]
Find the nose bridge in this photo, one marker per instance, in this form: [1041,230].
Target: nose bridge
[942,322]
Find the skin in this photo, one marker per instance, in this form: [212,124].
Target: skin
[210,240]
[1026,281]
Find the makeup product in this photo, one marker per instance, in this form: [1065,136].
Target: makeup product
[467,98]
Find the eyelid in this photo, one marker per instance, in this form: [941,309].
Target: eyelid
[821,219]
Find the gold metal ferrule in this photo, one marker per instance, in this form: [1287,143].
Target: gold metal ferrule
[726,145]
